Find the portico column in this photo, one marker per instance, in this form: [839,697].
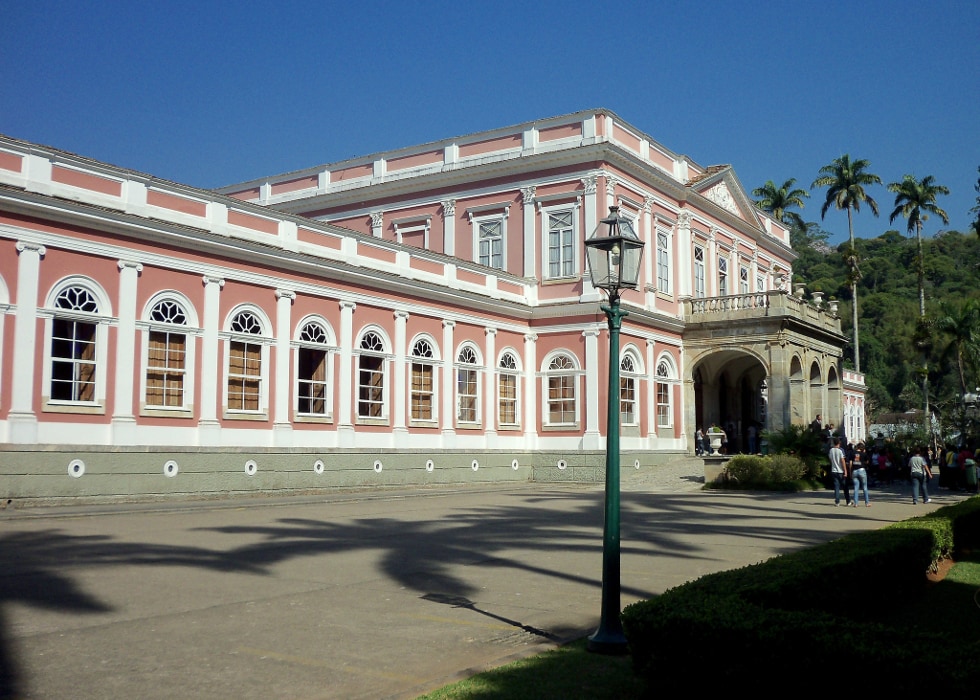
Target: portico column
[22,419]
[123,420]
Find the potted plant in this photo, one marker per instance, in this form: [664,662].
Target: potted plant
[715,437]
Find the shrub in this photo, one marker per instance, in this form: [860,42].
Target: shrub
[755,471]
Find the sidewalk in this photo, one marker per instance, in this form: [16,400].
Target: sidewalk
[372,594]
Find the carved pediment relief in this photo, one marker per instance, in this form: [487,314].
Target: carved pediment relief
[722,196]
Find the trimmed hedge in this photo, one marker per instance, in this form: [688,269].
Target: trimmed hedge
[808,617]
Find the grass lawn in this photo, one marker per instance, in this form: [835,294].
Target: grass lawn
[950,606]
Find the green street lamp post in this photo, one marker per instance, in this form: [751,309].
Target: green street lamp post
[613,254]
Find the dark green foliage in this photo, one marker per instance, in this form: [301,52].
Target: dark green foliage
[888,309]
[817,612]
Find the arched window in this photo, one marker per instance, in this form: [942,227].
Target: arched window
[313,371]
[74,346]
[562,402]
[467,386]
[629,389]
[423,392]
[508,387]
[166,357]
[246,363]
[371,378]
[665,381]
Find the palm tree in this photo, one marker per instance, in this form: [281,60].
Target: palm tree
[915,200]
[960,324]
[845,181]
[777,201]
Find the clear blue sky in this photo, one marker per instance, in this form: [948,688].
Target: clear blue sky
[213,93]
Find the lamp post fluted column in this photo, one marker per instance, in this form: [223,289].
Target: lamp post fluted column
[609,637]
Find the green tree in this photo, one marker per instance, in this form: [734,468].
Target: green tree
[916,200]
[845,181]
[778,200]
[959,325]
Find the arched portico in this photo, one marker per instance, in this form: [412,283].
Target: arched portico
[777,369]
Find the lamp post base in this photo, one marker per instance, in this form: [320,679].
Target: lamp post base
[609,643]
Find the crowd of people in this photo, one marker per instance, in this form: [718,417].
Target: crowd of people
[855,467]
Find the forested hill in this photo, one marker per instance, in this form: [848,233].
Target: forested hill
[890,336]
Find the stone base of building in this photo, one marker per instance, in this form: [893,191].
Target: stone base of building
[58,475]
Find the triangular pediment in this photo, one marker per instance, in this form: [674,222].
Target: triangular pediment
[719,184]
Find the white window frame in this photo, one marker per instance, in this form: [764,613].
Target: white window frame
[663,261]
[509,368]
[561,365]
[190,330]
[468,374]
[100,318]
[700,292]
[630,372]
[666,380]
[261,339]
[568,248]
[723,290]
[379,352]
[743,279]
[433,363]
[303,342]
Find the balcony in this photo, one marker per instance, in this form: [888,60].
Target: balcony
[766,308]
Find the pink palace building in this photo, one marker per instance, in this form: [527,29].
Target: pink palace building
[418,316]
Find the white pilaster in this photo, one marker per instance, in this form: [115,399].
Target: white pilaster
[22,419]
[449,227]
[530,409]
[208,426]
[282,428]
[592,216]
[530,235]
[489,383]
[345,427]
[649,254]
[592,438]
[448,384]
[651,394]
[684,272]
[123,419]
[401,373]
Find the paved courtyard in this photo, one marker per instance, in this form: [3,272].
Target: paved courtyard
[370,594]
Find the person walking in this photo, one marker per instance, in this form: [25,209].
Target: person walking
[920,473]
[838,472]
[859,473]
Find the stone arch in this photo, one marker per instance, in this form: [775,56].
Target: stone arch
[729,391]
[816,385]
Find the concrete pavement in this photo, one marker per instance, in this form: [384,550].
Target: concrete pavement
[369,594]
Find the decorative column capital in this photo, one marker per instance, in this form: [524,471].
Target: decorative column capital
[209,280]
[21,246]
[285,294]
